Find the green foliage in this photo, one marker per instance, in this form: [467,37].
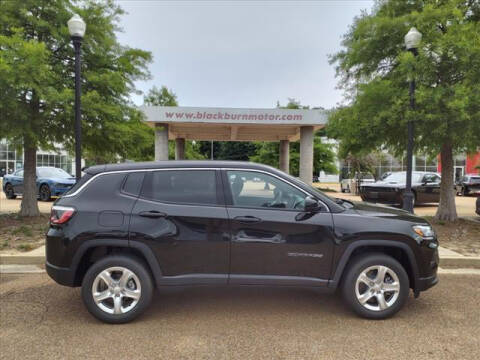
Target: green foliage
[160,97]
[374,69]
[37,68]
[37,81]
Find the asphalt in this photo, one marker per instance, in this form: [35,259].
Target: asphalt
[40,320]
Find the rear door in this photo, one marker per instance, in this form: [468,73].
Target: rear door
[181,216]
[273,240]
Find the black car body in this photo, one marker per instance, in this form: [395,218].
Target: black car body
[225,223]
[477,206]
[425,187]
[468,184]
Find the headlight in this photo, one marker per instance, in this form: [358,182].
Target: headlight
[424,231]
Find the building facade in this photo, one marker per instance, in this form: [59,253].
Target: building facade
[11,158]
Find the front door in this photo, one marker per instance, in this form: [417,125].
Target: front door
[180,215]
[273,240]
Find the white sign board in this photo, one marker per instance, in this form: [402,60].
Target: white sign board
[170,114]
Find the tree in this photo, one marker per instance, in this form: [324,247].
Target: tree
[374,69]
[160,97]
[37,81]
[323,155]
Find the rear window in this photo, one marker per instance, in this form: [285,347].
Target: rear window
[181,186]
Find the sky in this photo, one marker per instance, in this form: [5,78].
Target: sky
[246,54]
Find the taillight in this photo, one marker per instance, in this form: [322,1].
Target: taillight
[61,214]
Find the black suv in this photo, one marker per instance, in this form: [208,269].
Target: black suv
[125,229]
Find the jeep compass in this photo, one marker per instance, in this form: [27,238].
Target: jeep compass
[125,229]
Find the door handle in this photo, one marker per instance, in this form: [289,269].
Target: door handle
[153,214]
[247,219]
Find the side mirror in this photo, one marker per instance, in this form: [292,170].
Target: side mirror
[311,204]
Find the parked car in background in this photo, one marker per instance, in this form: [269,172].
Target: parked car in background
[357,180]
[477,210]
[468,184]
[125,229]
[51,181]
[425,188]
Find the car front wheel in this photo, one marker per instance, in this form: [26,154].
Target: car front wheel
[117,289]
[44,193]
[376,286]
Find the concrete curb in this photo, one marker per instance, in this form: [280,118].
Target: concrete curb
[448,259]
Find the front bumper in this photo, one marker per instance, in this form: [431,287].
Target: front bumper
[426,283]
[57,191]
[61,275]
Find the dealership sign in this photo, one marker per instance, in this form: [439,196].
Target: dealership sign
[171,114]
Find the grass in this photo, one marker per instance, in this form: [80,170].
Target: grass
[22,233]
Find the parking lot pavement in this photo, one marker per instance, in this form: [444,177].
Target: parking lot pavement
[40,319]
[9,206]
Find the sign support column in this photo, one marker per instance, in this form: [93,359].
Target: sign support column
[306,154]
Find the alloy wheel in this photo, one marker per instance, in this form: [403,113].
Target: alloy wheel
[377,288]
[116,290]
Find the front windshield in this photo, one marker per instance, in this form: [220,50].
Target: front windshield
[400,177]
[53,173]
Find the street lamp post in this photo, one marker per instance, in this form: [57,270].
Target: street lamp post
[76,27]
[412,40]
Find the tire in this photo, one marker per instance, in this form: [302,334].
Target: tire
[414,200]
[138,283]
[44,193]
[353,288]
[9,192]
[465,191]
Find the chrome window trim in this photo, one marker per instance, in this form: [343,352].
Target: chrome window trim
[194,168]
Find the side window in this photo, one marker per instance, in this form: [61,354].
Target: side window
[19,173]
[181,186]
[259,190]
[133,183]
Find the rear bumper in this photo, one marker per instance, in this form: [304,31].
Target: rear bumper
[61,275]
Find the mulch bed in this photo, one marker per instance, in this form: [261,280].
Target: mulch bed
[22,233]
[462,236]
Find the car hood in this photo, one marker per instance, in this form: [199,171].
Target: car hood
[381,211]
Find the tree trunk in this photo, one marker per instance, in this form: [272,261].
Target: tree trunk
[29,206]
[447,210]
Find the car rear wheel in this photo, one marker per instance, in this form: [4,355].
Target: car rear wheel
[9,192]
[376,286]
[44,193]
[117,289]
